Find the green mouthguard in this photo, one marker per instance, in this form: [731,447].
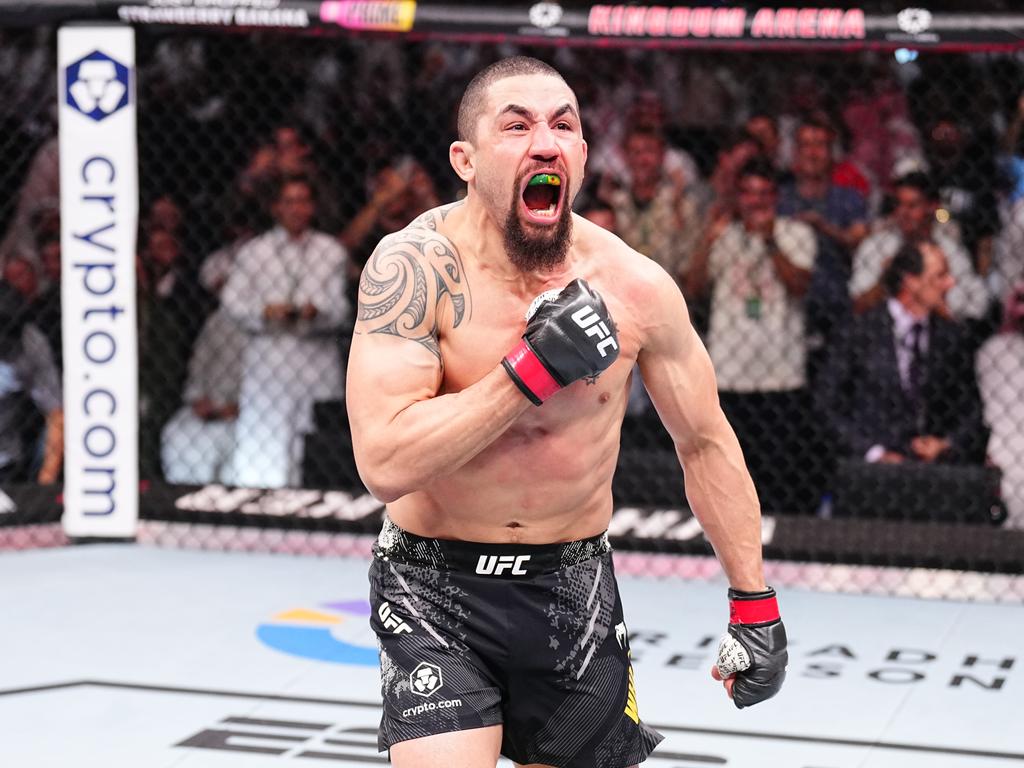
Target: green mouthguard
[545,178]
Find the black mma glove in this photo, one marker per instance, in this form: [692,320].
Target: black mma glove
[569,335]
[754,650]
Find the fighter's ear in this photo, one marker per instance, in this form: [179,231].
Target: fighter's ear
[462,157]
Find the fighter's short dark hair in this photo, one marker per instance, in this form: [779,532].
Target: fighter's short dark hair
[475,95]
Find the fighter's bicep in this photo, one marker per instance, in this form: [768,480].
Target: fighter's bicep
[385,376]
[678,374]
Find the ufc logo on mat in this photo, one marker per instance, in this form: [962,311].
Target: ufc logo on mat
[392,621]
[586,318]
[494,565]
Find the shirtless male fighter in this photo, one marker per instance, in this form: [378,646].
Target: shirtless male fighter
[492,438]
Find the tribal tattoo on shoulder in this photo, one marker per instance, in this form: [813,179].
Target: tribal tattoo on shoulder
[404,283]
[431,218]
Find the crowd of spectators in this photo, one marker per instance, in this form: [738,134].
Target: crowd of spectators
[846,231]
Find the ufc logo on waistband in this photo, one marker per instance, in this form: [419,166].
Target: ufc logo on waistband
[391,620]
[586,318]
[494,565]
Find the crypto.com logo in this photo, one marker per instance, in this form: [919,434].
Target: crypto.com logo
[97,85]
[426,679]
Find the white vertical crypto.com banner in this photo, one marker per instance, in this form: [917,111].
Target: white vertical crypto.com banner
[99,216]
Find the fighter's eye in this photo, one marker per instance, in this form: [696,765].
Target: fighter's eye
[563,126]
[517,127]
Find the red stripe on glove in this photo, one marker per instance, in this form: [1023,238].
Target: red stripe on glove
[753,611]
[531,370]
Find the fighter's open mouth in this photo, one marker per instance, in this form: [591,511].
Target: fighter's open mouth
[542,194]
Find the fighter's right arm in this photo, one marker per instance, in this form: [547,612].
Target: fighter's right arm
[678,374]
[405,433]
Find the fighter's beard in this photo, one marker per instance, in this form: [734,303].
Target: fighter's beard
[541,251]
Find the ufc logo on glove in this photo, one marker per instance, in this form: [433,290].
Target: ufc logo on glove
[587,318]
[553,353]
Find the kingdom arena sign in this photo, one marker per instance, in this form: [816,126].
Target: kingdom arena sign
[661,21]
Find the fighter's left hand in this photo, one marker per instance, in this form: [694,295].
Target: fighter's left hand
[727,682]
[752,657]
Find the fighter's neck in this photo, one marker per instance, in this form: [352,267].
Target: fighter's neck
[478,233]
[481,239]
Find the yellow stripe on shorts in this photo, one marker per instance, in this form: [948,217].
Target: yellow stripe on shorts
[631,710]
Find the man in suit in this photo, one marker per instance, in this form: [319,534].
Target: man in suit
[900,385]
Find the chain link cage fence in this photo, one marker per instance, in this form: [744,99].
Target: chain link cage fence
[846,226]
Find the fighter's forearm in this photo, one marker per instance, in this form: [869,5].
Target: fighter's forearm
[434,437]
[722,496]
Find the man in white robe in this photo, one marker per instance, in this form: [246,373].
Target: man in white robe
[198,444]
[287,290]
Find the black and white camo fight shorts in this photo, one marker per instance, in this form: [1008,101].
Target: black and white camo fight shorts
[527,636]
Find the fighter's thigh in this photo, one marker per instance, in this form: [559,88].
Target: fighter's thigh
[435,677]
[541,765]
[476,748]
[572,701]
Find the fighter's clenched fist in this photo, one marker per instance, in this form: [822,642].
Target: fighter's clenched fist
[568,336]
[752,656]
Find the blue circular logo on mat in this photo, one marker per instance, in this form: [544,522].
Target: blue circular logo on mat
[338,632]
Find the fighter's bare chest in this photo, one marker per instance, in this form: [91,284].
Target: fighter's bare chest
[472,349]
